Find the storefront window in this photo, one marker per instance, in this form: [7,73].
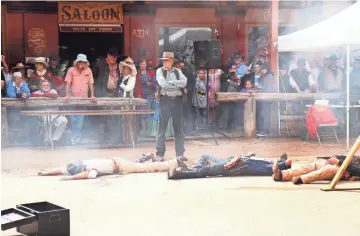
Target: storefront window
[258,38]
[181,42]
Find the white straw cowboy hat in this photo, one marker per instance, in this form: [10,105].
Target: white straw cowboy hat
[167,55]
[41,60]
[128,62]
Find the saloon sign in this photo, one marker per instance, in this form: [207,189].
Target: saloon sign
[90,13]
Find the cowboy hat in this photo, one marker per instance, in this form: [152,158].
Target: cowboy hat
[128,62]
[41,60]
[167,55]
[19,66]
[113,52]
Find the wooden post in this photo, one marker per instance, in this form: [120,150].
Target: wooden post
[274,27]
[250,118]
[4,127]
[343,167]
[274,61]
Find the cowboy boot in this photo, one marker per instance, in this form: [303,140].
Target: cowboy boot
[184,173]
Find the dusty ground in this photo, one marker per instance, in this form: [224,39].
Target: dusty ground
[149,204]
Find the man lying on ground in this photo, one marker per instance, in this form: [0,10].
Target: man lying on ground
[90,169]
[319,170]
[233,166]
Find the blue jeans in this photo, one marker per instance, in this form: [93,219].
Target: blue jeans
[77,123]
[148,106]
[252,167]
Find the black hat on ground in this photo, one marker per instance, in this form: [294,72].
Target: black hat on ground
[113,52]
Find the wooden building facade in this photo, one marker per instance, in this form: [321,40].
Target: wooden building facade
[31,29]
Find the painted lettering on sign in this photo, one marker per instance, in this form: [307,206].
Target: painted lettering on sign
[85,29]
[90,13]
[140,33]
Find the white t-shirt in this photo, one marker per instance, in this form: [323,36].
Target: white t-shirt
[53,91]
[96,167]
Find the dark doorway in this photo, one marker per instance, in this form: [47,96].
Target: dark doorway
[93,45]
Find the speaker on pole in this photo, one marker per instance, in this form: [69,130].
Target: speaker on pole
[207,54]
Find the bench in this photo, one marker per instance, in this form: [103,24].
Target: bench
[49,122]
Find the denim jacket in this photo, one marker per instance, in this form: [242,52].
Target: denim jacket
[11,90]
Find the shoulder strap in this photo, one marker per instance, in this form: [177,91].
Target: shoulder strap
[177,74]
[175,71]
[164,72]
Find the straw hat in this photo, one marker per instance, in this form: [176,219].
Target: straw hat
[41,60]
[167,55]
[128,62]
[19,66]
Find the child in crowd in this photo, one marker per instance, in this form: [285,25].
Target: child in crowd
[199,99]
[248,87]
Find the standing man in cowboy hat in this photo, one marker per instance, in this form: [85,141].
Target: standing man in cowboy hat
[107,74]
[80,79]
[332,78]
[171,81]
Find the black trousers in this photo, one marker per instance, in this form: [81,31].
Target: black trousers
[170,107]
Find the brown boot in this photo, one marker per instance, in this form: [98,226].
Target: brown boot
[277,176]
[297,180]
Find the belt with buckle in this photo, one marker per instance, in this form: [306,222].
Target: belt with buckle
[172,97]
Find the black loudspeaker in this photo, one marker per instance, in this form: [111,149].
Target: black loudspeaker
[207,54]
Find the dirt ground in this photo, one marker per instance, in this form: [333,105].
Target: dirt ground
[149,204]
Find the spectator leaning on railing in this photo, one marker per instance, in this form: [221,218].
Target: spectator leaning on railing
[17,88]
[59,122]
[80,79]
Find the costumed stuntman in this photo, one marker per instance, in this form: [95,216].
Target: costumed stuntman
[90,169]
[320,170]
[233,166]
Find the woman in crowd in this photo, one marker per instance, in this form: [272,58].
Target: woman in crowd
[19,67]
[125,89]
[145,89]
[267,85]
[40,74]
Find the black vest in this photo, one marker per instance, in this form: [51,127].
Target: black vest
[301,78]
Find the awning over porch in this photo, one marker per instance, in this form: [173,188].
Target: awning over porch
[339,30]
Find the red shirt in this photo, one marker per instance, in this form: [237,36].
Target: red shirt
[79,81]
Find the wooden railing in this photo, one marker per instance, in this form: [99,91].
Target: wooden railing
[59,102]
[250,99]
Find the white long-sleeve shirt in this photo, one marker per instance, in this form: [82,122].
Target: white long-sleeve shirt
[171,85]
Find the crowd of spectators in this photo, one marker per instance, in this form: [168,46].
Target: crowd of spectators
[49,78]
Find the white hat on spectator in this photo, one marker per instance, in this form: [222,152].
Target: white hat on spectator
[41,60]
[128,62]
[82,58]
